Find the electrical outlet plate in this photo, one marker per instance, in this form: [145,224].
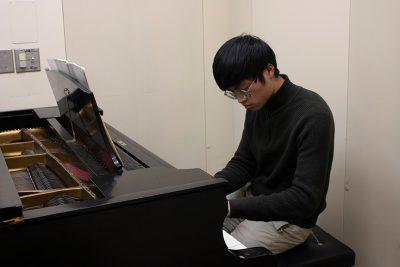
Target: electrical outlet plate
[6,61]
[27,60]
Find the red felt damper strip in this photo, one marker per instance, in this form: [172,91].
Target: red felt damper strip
[78,172]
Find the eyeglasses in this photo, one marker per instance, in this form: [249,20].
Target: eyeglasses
[239,94]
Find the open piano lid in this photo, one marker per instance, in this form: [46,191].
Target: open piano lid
[80,114]
[80,118]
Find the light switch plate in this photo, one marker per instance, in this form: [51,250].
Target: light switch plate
[6,61]
[31,62]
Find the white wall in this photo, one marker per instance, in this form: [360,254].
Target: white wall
[310,40]
[219,142]
[372,203]
[144,60]
[154,61]
[223,19]
[30,90]
[242,14]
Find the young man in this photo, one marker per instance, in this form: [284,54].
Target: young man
[285,154]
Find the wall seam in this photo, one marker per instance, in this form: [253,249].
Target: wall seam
[65,39]
[346,128]
[204,89]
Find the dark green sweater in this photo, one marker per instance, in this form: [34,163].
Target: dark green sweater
[286,152]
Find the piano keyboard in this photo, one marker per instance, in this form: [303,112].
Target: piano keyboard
[231,242]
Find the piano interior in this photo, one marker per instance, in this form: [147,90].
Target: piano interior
[44,170]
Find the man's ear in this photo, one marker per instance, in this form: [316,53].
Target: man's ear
[269,71]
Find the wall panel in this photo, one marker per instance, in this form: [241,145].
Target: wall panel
[31,89]
[371,206]
[310,39]
[145,64]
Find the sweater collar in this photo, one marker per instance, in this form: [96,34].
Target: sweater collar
[284,95]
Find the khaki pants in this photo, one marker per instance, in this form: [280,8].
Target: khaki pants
[276,236]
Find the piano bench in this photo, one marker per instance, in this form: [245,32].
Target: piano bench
[320,249]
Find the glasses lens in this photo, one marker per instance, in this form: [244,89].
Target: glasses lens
[237,94]
[240,95]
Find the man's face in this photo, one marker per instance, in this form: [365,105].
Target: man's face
[254,94]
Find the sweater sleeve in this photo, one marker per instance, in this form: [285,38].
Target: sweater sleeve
[241,168]
[306,196]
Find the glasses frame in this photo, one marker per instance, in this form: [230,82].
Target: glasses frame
[239,94]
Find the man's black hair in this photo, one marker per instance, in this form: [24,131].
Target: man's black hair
[240,58]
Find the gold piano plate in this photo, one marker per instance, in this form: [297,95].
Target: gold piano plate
[44,170]
[14,136]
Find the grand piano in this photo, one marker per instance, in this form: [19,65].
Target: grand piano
[75,191]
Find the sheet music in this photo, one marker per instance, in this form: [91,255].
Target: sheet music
[78,73]
[52,64]
[71,69]
[231,242]
[62,66]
